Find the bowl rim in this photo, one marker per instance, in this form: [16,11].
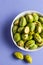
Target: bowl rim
[18,16]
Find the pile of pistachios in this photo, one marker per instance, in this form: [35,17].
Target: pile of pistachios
[28,31]
[20,56]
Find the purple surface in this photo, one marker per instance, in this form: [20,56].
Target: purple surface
[8,10]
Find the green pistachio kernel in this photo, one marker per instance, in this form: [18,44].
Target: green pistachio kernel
[41,19]
[34,47]
[39,44]
[16,22]
[42,26]
[28,58]
[25,37]
[37,37]
[38,27]
[41,34]
[21,43]
[20,29]
[17,37]
[19,55]
[35,16]
[29,18]
[29,44]
[23,21]
[31,26]
[26,30]
[31,33]
[30,37]
[14,29]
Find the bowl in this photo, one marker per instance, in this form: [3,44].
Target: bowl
[18,16]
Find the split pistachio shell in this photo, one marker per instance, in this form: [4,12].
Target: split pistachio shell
[29,18]
[29,44]
[19,55]
[35,16]
[23,21]
[16,22]
[21,43]
[20,29]
[14,29]
[28,58]
[17,37]
[25,37]
[26,30]
[41,19]
[37,37]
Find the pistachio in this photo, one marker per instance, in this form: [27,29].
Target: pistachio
[20,29]
[41,34]
[29,18]
[26,30]
[35,16]
[19,55]
[37,37]
[17,37]
[34,47]
[21,43]
[29,44]
[23,21]
[25,37]
[14,29]
[38,27]
[28,58]
[31,26]
[41,19]
[16,22]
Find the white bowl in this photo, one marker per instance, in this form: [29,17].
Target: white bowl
[18,16]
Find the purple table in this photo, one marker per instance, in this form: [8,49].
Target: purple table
[8,10]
